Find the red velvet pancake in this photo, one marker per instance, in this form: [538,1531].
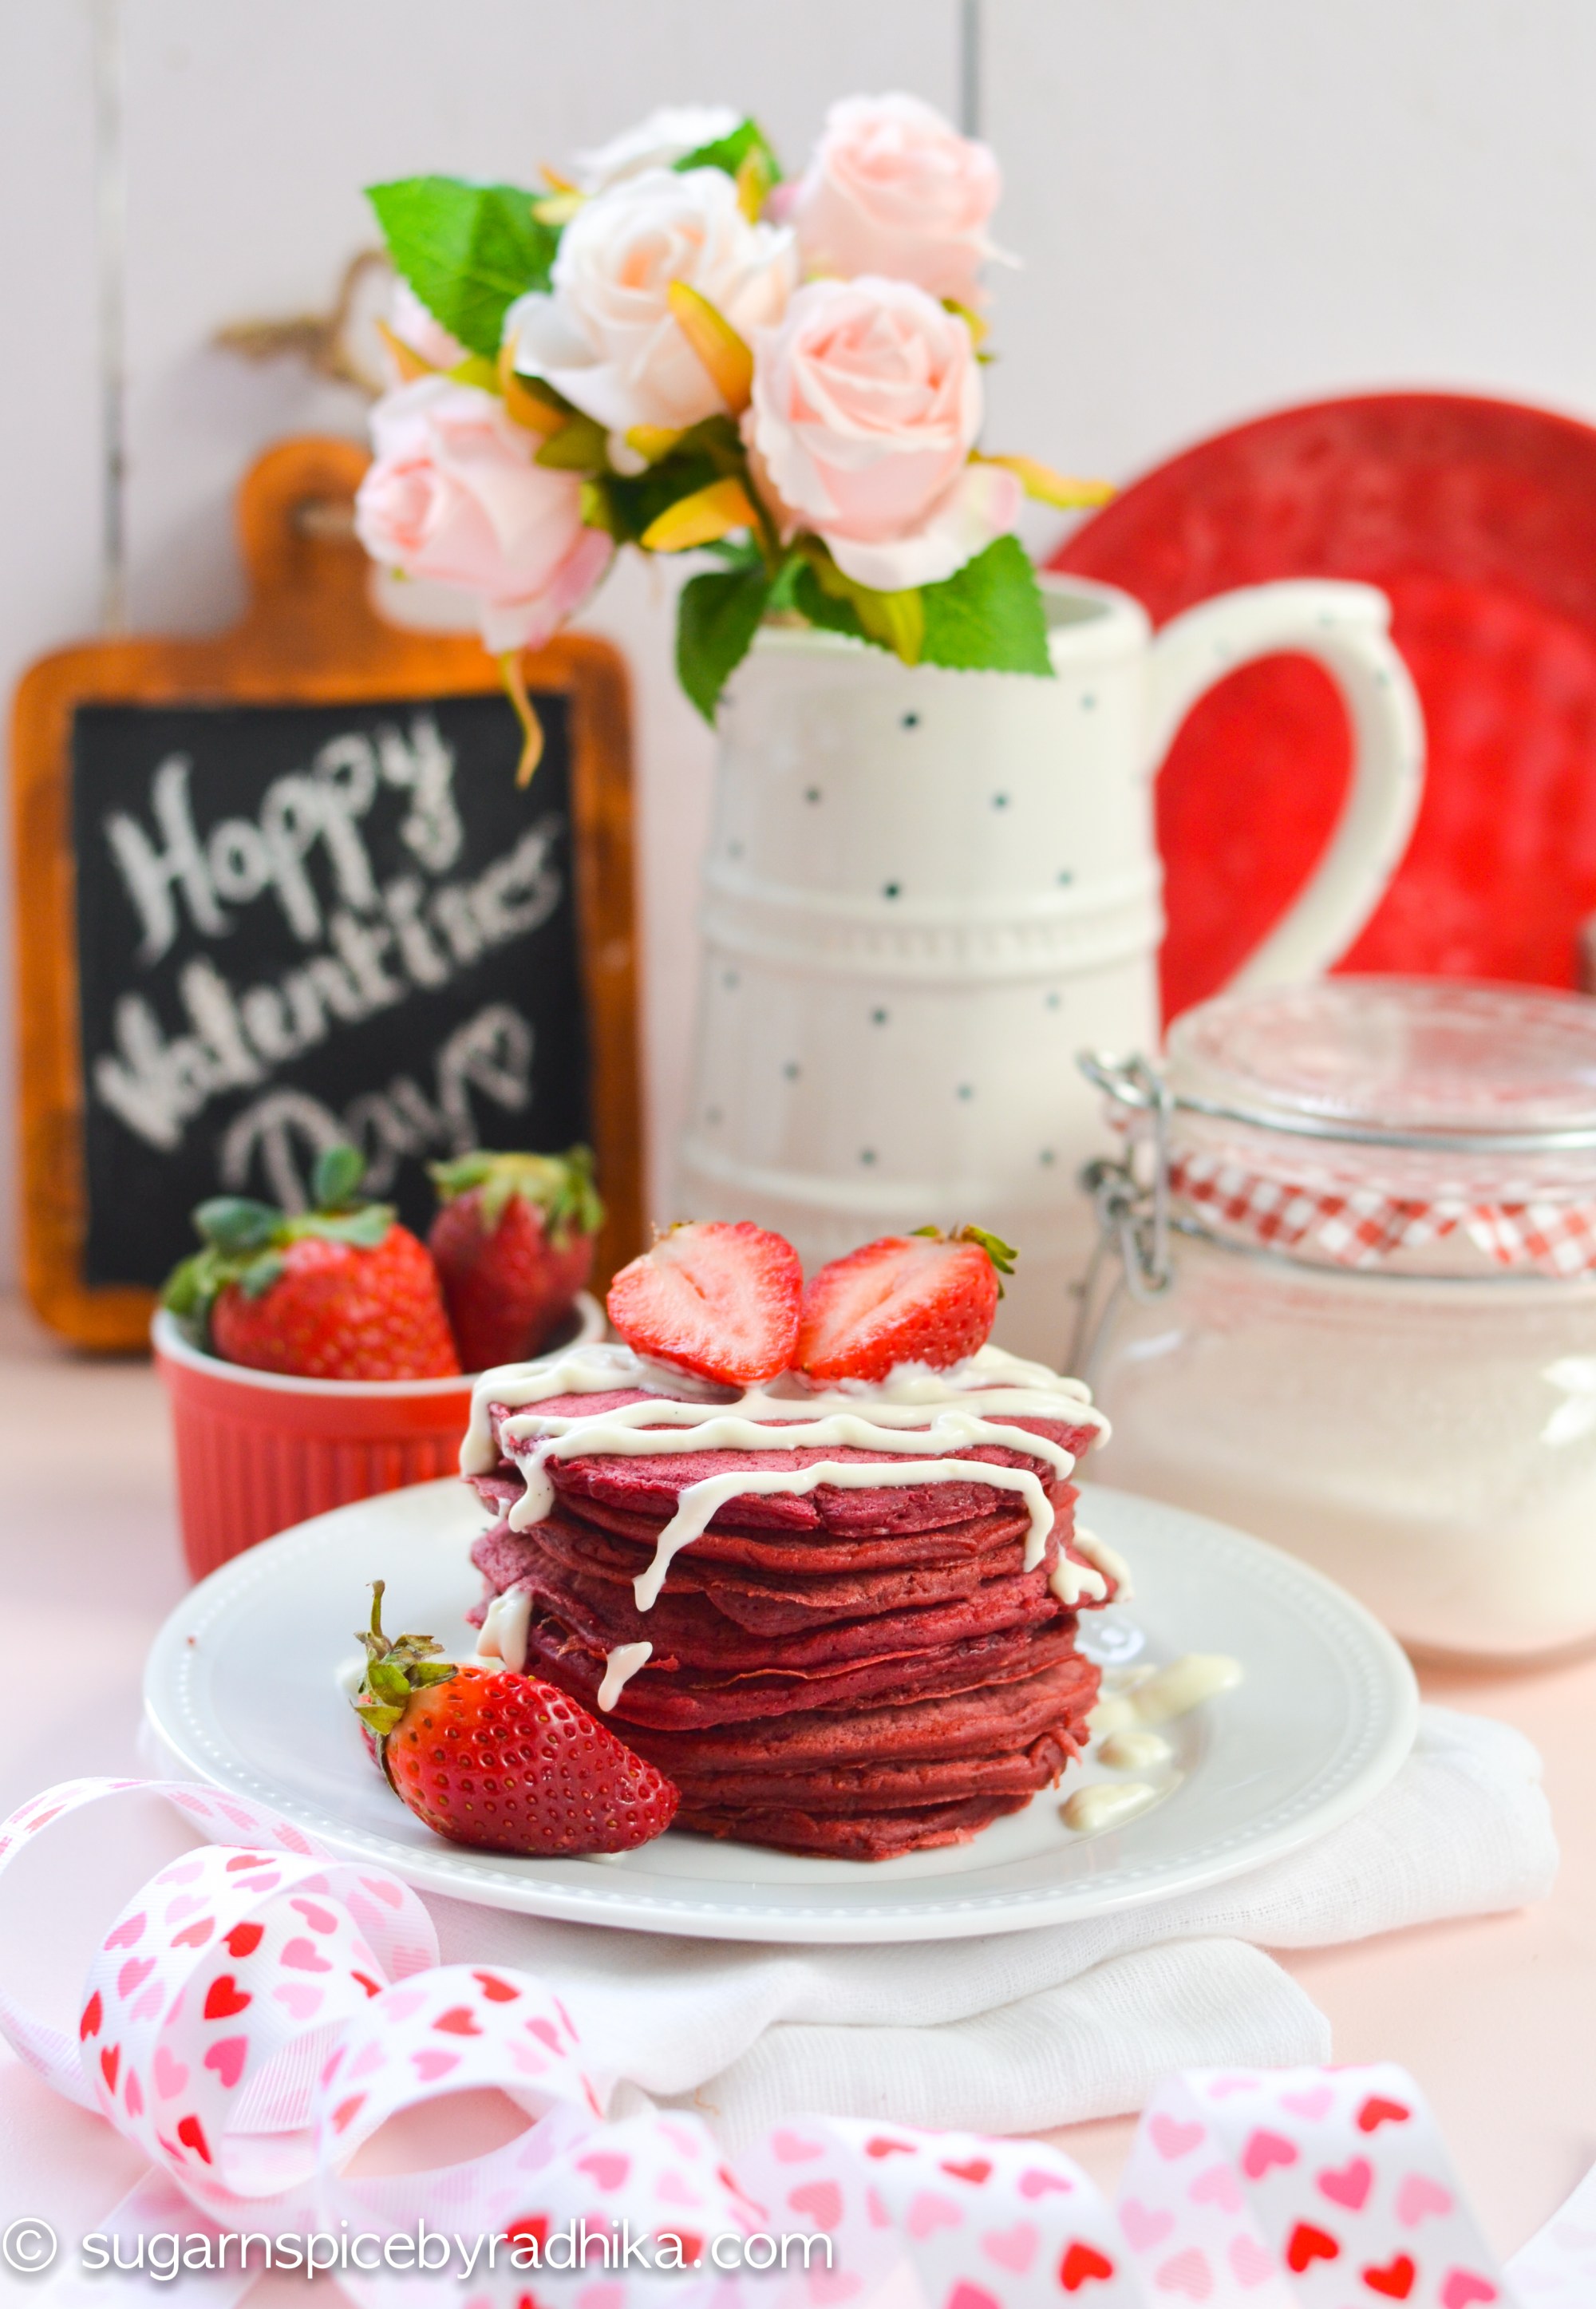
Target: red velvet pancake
[872,1836]
[778,1597]
[651,1485]
[695,1635]
[976,1723]
[671,1697]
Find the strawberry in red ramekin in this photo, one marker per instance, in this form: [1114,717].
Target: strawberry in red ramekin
[513,1245]
[342,1292]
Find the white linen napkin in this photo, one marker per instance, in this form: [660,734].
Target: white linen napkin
[1016,2032]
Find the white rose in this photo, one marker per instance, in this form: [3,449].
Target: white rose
[605,335]
[664,138]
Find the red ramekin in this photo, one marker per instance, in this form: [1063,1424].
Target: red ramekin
[258,1451]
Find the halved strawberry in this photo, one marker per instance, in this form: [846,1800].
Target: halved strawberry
[923,1298]
[719,1300]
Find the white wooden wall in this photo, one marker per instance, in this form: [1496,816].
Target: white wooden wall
[1222,205]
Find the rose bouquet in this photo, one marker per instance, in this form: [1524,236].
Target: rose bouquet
[677,349]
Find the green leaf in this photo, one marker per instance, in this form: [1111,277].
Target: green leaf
[461,1172]
[705,454]
[894,622]
[190,1288]
[365,1228]
[558,1186]
[827,611]
[234,1223]
[633,504]
[729,152]
[784,591]
[1002,1254]
[339,1170]
[476,369]
[988,614]
[256,1279]
[388,1682]
[468,250]
[737,553]
[429,1672]
[382,1720]
[716,622]
[578,448]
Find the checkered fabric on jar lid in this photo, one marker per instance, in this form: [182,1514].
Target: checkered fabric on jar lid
[1418,1125]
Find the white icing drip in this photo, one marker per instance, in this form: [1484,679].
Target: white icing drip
[600,1368]
[965,1407]
[1107,1560]
[1070,1581]
[620,1667]
[1107,1803]
[505,1629]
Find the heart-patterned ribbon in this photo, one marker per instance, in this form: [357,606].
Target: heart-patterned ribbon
[260,2010]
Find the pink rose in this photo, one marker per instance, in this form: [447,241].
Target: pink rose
[453,495]
[894,189]
[867,403]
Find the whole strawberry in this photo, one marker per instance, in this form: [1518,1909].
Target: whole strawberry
[921,1298]
[488,1757]
[513,1245]
[341,1292]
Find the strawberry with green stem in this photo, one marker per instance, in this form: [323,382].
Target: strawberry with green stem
[340,1292]
[513,1245]
[496,1759]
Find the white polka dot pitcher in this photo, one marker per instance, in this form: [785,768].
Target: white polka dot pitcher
[927,891]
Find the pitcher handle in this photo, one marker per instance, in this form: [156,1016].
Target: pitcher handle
[1346,629]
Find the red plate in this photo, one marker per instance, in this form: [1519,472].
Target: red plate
[1478,519]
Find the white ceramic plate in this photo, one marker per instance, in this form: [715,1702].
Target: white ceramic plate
[246,1685]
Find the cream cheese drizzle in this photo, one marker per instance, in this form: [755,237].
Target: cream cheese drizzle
[1107,1559]
[1070,1581]
[620,1667]
[505,1630]
[930,1414]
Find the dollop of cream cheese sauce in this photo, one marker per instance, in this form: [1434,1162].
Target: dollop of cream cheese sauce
[924,1415]
[1122,1724]
[1107,1803]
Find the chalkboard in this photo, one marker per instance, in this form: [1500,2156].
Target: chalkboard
[321,913]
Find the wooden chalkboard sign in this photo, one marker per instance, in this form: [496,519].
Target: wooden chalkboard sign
[280,888]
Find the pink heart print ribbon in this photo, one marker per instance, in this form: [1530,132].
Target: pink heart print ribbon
[260,2010]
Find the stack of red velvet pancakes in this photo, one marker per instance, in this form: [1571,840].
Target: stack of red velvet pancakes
[855,1672]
